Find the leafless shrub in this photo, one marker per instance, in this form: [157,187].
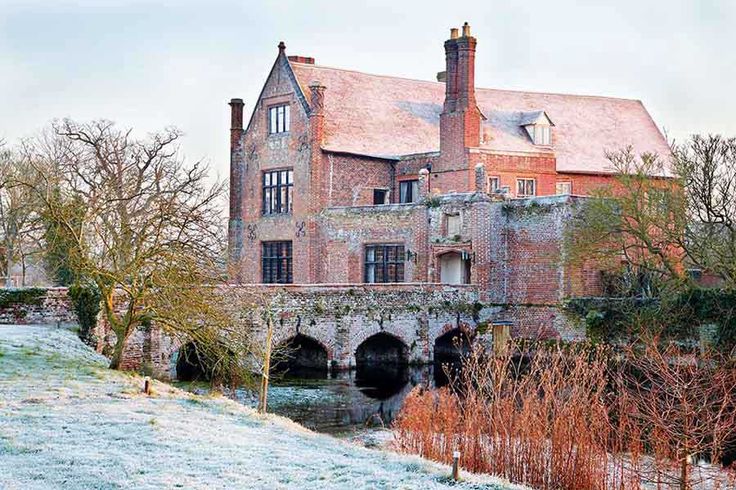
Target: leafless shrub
[574,417]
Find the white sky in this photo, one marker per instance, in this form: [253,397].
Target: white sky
[149,64]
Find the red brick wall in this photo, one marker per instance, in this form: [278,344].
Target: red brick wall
[586,184]
[353,178]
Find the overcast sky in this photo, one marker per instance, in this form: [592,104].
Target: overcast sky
[149,64]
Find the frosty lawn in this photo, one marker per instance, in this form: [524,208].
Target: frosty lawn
[67,421]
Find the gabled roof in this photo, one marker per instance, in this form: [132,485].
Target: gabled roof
[388,116]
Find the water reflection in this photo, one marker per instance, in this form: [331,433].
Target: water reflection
[345,402]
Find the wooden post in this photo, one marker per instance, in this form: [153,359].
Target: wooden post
[501,336]
[147,385]
[263,398]
[456,465]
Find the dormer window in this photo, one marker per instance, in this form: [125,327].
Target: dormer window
[539,134]
[538,126]
[279,119]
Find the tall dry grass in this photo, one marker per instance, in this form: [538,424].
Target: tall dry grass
[551,417]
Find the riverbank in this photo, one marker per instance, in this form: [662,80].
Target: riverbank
[66,421]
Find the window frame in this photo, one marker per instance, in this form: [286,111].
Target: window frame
[391,271]
[412,186]
[563,182]
[277,266]
[278,117]
[525,195]
[385,196]
[542,134]
[273,193]
[491,179]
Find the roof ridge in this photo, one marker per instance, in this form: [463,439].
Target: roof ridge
[518,91]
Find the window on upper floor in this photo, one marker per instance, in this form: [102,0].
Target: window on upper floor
[380,196]
[494,184]
[563,188]
[279,119]
[526,187]
[408,191]
[276,262]
[384,263]
[540,134]
[277,191]
[538,125]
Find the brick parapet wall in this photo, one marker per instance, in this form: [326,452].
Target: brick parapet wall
[53,308]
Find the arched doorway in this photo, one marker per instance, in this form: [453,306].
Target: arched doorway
[303,357]
[454,268]
[189,365]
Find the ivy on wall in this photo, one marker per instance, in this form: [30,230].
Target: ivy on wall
[86,299]
[10,298]
[681,317]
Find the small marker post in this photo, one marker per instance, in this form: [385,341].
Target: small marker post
[456,465]
[147,385]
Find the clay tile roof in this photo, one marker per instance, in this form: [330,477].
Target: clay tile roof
[388,116]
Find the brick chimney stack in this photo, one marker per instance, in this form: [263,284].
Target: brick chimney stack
[235,224]
[460,118]
[316,138]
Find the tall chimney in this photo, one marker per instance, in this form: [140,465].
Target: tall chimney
[460,118]
[450,72]
[318,172]
[236,113]
[466,69]
[235,224]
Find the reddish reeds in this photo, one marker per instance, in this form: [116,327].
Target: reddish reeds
[551,417]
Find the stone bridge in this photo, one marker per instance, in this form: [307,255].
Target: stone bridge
[341,326]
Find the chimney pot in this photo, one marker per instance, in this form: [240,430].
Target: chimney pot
[453,33]
[466,30]
[282,47]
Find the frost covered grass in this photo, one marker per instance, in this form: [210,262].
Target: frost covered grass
[66,421]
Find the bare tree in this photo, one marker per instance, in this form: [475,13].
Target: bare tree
[20,225]
[144,226]
[662,220]
[680,405]
[707,168]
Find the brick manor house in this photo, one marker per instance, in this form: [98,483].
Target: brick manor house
[343,177]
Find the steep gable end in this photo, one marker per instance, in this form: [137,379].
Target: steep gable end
[281,80]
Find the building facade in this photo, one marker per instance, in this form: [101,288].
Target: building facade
[342,177]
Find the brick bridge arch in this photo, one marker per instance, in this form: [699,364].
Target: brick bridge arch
[304,352]
[403,328]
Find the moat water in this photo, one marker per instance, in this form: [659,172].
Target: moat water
[344,403]
[350,401]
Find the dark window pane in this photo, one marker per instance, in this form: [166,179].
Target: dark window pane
[408,191]
[276,262]
[384,263]
[379,196]
[279,119]
[277,191]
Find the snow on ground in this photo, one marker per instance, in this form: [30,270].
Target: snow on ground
[66,421]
